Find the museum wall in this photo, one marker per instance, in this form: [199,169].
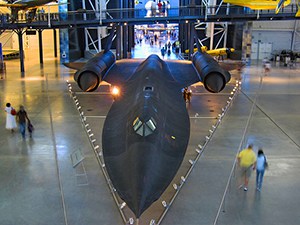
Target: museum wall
[280,35]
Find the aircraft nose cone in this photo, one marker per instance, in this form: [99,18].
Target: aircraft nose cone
[88,81]
[214,82]
[142,182]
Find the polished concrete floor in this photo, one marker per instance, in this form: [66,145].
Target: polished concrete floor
[41,184]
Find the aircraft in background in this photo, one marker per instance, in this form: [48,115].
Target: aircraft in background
[214,52]
[260,4]
[298,6]
[29,6]
[146,131]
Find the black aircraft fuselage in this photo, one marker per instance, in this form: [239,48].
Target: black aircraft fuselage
[146,132]
[145,135]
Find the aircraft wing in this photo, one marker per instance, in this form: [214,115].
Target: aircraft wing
[119,73]
[12,5]
[122,71]
[75,65]
[183,72]
[260,5]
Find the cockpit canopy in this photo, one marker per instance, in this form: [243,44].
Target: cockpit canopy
[144,128]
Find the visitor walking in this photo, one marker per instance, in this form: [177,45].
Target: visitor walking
[10,117]
[246,160]
[21,118]
[261,165]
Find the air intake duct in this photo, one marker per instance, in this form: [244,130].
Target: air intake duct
[89,77]
[213,76]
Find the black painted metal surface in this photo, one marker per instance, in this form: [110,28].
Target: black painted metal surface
[142,161]
[146,132]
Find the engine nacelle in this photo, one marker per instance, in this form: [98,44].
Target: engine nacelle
[89,77]
[213,76]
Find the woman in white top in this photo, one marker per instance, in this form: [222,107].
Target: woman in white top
[261,163]
[10,119]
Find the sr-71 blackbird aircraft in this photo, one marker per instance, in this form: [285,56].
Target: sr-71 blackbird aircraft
[146,131]
[26,5]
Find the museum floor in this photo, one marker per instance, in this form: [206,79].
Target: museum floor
[40,183]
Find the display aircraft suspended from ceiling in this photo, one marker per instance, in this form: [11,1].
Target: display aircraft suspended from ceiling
[260,4]
[25,5]
[147,129]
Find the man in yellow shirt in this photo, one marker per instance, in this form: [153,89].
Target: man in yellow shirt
[246,160]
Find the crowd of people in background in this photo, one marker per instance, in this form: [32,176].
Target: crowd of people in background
[157,8]
[167,40]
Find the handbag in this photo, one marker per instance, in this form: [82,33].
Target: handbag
[266,165]
[30,127]
[13,112]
